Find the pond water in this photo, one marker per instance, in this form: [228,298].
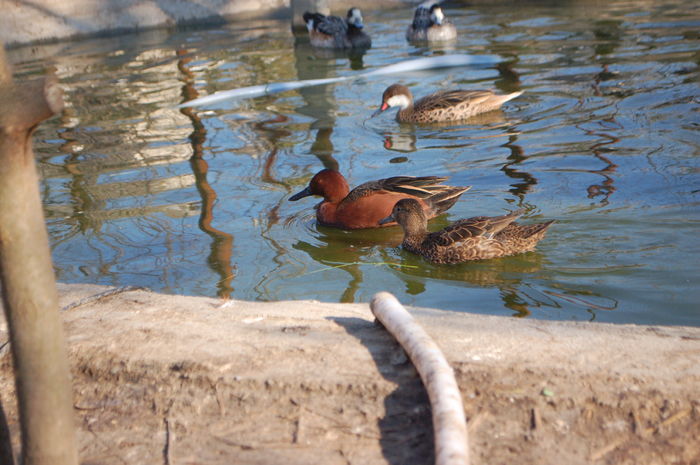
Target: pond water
[605,139]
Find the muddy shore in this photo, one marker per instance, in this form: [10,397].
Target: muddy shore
[183,380]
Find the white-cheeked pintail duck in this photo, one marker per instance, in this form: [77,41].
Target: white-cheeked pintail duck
[440,107]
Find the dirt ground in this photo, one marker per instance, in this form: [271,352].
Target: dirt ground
[181,380]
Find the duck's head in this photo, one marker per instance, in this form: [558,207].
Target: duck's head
[409,214]
[396,95]
[354,18]
[436,14]
[329,184]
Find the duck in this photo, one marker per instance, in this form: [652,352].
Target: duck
[440,107]
[363,206]
[430,25]
[477,238]
[334,32]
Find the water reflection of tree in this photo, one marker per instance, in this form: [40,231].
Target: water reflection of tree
[319,101]
[608,33]
[509,80]
[347,250]
[517,156]
[331,256]
[606,187]
[221,249]
[320,104]
[271,133]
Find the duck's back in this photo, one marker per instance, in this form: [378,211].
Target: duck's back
[451,105]
[369,203]
[421,22]
[329,32]
[522,237]
[478,238]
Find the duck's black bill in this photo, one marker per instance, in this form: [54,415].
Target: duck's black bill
[388,219]
[300,195]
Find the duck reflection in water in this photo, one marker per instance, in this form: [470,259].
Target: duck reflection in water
[503,273]
[405,140]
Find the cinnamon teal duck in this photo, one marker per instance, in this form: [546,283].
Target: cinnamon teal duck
[440,107]
[334,32]
[372,201]
[430,25]
[477,238]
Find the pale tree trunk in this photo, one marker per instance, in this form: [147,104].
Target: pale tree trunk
[29,291]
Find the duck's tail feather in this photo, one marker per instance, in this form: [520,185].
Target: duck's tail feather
[535,230]
[446,198]
[422,187]
[495,224]
[501,99]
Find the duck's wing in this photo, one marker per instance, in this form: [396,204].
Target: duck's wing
[451,98]
[486,226]
[332,26]
[421,187]
[421,18]
[524,231]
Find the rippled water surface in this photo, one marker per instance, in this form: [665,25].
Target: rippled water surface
[605,139]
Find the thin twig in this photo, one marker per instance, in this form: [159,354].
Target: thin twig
[343,265]
[102,295]
[166,447]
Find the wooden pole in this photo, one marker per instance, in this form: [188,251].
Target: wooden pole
[449,424]
[29,294]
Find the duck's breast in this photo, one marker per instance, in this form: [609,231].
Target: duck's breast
[367,211]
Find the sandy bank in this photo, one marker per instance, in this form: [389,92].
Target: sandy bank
[185,380]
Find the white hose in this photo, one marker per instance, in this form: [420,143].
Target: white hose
[418,64]
[449,424]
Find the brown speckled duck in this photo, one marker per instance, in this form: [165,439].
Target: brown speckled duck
[430,25]
[477,238]
[334,32]
[440,107]
[368,203]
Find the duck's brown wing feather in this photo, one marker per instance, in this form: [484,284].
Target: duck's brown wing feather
[473,227]
[524,231]
[450,98]
[421,187]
